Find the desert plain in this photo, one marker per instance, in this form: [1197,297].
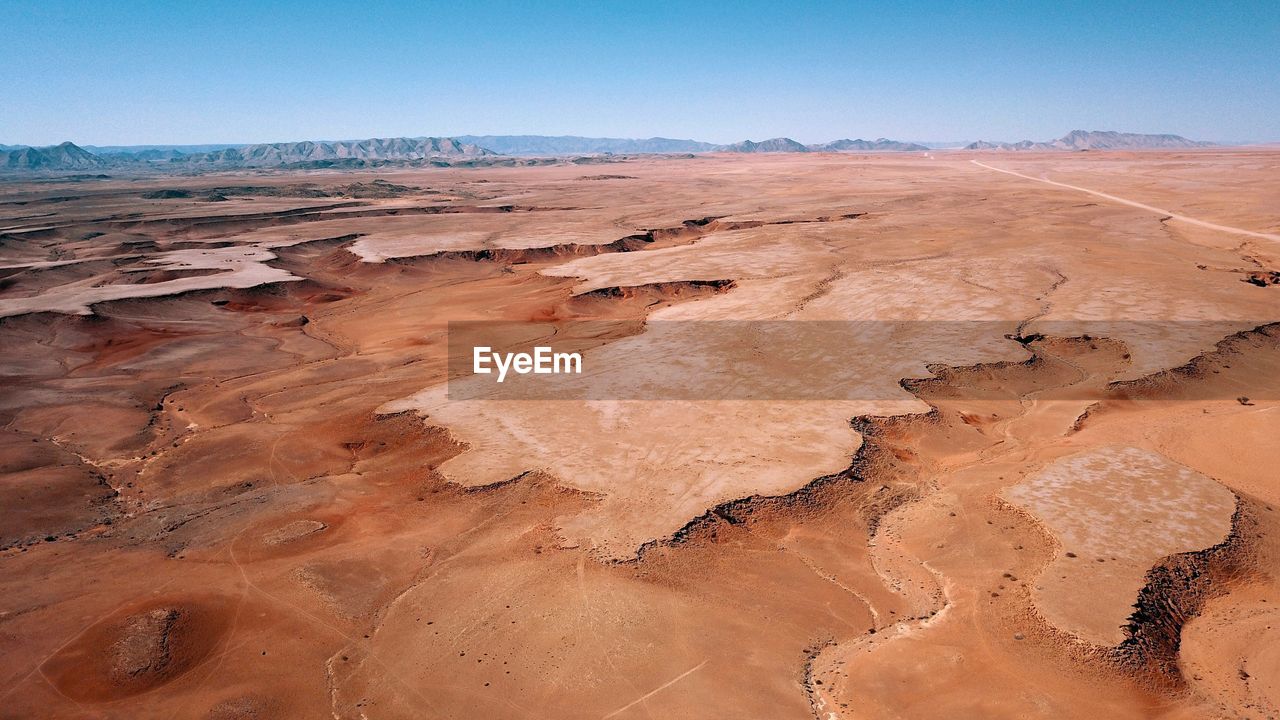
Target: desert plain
[235,484]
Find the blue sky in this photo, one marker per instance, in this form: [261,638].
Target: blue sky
[195,72]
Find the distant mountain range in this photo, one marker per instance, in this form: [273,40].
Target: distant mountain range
[485,149]
[574,145]
[880,145]
[776,145]
[1074,140]
[69,156]
[152,150]
[1097,140]
[277,154]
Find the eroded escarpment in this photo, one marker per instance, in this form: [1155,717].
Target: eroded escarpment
[82,471]
[163,256]
[686,232]
[587,302]
[199,226]
[1262,278]
[898,451]
[904,463]
[1178,588]
[1251,353]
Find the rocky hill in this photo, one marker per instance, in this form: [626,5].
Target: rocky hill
[774,145]
[780,145]
[67,156]
[1110,140]
[879,145]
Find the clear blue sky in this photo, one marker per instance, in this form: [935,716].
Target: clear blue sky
[104,72]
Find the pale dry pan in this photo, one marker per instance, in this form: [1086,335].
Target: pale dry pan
[1114,513]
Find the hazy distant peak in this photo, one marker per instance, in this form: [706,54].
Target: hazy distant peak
[1097,140]
[577,145]
[877,145]
[771,145]
[64,156]
[1105,139]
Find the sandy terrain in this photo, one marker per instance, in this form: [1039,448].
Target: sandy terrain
[860,436]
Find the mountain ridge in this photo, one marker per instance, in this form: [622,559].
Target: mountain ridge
[63,156]
[772,145]
[276,154]
[464,149]
[1098,140]
[860,145]
[579,145]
